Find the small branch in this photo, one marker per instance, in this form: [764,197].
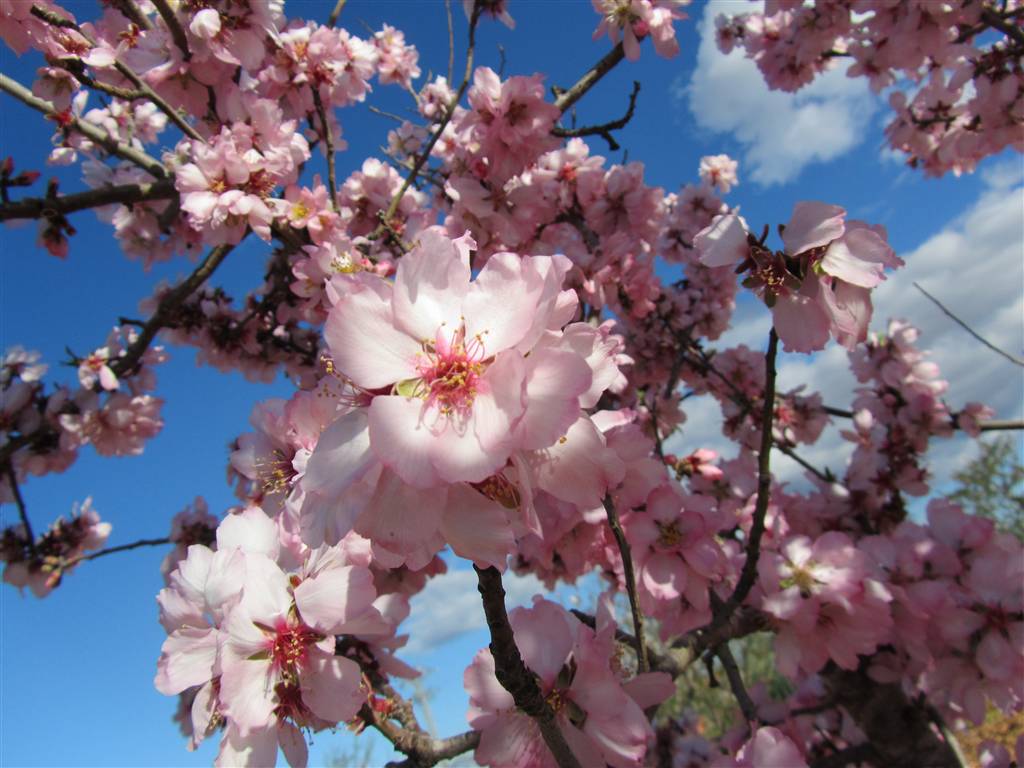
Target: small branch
[739,690]
[421,158]
[170,302]
[996,21]
[451,40]
[966,327]
[99,136]
[764,484]
[566,99]
[627,567]
[825,476]
[22,510]
[328,145]
[131,12]
[41,207]
[510,670]
[659,662]
[421,749]
[120,548]
[177,32]
[333,18]
[1000,424]
[604,130]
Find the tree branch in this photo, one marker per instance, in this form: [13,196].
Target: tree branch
[604,130]
[627,567]
[177,32]
[119,548]
[948,313]
[764,484]
[512,672]
[328,147]
[99,136]
[739,690]
[333,18]
[20,502]
[168,304]
[565,99]
[421,158]
[41,207]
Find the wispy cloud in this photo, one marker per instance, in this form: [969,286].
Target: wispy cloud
[449,606]
[781,133]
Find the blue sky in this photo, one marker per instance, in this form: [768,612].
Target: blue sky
[76,668]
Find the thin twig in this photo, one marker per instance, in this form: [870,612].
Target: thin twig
[333,18]
[328,146]
[40,207]
[1000,424]
[421,158]
[99,136]
[22,511]
[764,483]
[605,129]
[177,32]
[659,662]
[627,567]
[451,40]
[566,99]
[512,673]
[119,548]
[168,304]
[825,476]
[966,327]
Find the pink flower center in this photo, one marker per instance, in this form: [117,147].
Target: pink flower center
[669,534]
[289,647]
[450,373]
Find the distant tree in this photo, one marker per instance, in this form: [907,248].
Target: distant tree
[992,485]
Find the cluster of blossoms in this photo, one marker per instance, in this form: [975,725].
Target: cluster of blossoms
[116,415]
[460,385]
[41,564]
[965,57]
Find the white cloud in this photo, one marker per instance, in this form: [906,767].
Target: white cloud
[975,266]
[781,133]
[449,606]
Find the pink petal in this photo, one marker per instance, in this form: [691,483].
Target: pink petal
[364,342]
[502,302]
[429,286]
[554,381]
[331,687]
[296,752]
[186,659]
[477,528]
[334,597]
[664,576]
[401,440]
[485,692]
[256,749]
[723,242]
[544,637]
[813,224]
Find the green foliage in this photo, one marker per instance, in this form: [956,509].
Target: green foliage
[992,485]
[715,707]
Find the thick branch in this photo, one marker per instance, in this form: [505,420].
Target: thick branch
[512,672]
[39,207]
[567,98]
[168,304]
[899,729]
[627,567]
[97,135]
